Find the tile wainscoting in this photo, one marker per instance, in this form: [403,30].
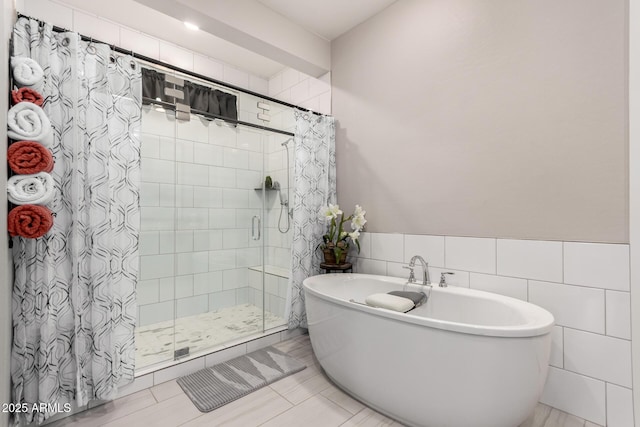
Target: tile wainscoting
[586,287]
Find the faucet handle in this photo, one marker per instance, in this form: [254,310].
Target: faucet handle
[412,276]
[443,279]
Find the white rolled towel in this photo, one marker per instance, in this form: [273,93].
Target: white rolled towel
[390,302]
[27,121]
[35,189]
[27,72]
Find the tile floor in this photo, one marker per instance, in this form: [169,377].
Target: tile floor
[307,399]
[155,343]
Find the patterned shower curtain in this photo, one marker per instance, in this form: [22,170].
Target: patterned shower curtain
[74,301]
[314,188]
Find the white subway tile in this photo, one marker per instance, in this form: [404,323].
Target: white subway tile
[263,342]
[619,406]
[225,355]
[223,134]
[509,286]
[155,266]
[192,262]
[147,292]
[178,370]
[206,283]
[183,286]
[149,194]
[191,174]
[97,28]
[139,383]
[180,196]
[618,314]
[161,171]
[192,218]
[208,154]
[576,394]
[235,198]
[370,266]
[387,247]
[149,243]
[222,260]
[324,103]
[247,257]
[235,158]
[318,87]
[234,279]
[258,84]
[458,278]
[168,195]
[167,148]
[48,11]
[150,146]
[222,218]
[222,177]
[167,289]
[365,246]
[208,67]
[155,313]
[290,78]
[252,141]
[222,299]
[396,269]
[184,151]
[154,218]
[598,356]
[167,241]
[530,259]
[207,197]
[470,254]
[557,347]
[249,180]
[572,306]
[431,248]
[235,238]
[139,43]
[156,122]
[195,129]
[275,84]
[176,56]
[596,264]
[184,241]
[236,77]
[192,306]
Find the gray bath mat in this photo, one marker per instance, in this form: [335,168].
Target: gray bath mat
[211,388]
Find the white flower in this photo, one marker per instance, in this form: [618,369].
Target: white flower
[354,236]
[343,235]
[359,211]
[330,212]
[358,222]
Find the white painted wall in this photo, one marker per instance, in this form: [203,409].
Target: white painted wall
[634,189]
[7,13]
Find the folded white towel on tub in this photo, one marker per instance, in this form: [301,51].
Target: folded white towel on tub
[28,122]
[35,189]
[390,302]
[27,72]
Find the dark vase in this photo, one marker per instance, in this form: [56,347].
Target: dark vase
[330,257]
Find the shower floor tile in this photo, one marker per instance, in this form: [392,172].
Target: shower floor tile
[156,343]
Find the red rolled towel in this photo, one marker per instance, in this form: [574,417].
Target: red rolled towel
[30,221]
[28,95]
[29,157]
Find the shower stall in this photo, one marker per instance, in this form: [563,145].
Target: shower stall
[215,240]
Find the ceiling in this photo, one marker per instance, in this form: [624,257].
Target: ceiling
[327,18]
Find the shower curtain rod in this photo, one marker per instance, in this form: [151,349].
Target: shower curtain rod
[182,70]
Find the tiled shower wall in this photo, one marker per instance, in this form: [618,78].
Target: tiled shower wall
[584,285]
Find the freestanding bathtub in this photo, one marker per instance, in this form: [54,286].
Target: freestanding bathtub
[466,358]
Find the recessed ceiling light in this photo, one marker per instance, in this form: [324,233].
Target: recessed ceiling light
[191,26]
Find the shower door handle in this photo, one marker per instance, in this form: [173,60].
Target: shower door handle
[255,236]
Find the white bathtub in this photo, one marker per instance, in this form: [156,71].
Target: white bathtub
[464,359]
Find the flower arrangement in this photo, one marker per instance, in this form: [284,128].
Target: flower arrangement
[336,241]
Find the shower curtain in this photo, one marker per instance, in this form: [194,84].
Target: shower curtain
[314,188]
[74,302]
